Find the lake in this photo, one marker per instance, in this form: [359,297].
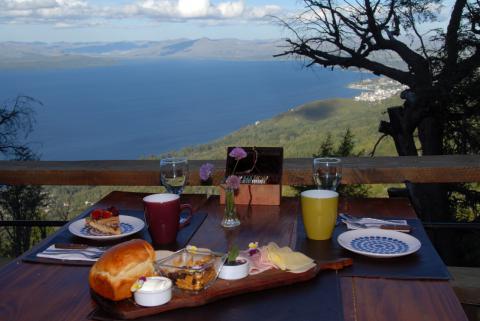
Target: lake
[137,109]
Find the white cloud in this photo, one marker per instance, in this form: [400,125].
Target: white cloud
[231,9]
[15,5]
[193,8]
[263,11]
[76,24]
[62,12]
[43,10]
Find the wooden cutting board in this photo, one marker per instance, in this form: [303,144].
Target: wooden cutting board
[127,309]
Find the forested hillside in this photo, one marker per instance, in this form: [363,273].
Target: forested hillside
[301,129]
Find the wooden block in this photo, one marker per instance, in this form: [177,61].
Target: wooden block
[256,194]
[261,163]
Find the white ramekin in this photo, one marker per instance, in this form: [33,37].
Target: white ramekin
[234,272]
[153,298]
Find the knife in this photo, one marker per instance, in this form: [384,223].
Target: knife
[71,246]
[400,228]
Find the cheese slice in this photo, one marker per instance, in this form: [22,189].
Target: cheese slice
[286,259]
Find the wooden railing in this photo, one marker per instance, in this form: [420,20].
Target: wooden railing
[356,170]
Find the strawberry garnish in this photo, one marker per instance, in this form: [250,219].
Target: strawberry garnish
[96,214]
[106,214]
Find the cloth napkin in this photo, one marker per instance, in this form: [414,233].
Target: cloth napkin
[65,255]
[373,222]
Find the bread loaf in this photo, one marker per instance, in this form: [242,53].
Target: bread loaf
[119,267]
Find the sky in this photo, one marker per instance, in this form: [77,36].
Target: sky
[124,20]
[117,20]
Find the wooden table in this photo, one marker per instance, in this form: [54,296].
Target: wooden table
[55,292]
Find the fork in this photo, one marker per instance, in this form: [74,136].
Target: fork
[397,227]
[65,250]
[353,219]
[90,255]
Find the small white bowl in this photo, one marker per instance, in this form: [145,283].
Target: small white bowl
[234,272]
[147,297]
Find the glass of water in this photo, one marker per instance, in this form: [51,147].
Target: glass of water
[327,173]
[174,173]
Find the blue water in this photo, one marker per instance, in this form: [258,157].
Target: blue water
[138,109]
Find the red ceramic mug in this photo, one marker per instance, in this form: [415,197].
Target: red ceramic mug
[162,214]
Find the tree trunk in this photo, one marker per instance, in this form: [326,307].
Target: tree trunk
[435,204]
[429,200]
[404,142]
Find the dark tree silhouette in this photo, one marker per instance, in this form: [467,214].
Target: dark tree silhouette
[326,147]
[440,67]
[16,123]
[18,202]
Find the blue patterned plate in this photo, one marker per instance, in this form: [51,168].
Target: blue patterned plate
[128,224]
[379,243]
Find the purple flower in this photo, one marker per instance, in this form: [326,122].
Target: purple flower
[206,171]
[238,153]
[233,181]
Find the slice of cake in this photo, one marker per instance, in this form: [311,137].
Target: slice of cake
[105,221]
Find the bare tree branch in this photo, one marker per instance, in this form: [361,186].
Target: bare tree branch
[451,39]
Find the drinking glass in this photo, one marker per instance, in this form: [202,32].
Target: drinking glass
[174,173]
[327,173]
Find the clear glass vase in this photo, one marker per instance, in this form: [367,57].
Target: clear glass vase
[230,218]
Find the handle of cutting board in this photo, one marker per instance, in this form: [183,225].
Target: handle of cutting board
[336,264]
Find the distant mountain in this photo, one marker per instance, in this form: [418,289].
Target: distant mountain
[64,54]
[81,54]
[32,55]
[204,48]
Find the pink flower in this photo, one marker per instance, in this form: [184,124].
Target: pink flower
[206,171]
[233,181]
[238,153]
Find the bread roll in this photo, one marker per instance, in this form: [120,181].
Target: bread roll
[119,267]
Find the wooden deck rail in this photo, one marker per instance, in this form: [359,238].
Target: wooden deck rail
[356,170]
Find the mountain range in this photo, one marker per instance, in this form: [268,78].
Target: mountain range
[84,54]
[41,54]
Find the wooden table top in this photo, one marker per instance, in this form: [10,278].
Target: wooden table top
[55,292]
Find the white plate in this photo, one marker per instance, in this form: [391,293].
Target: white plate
[128,224]
[379,243]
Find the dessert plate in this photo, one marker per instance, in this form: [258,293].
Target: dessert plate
[379,243]
[128,224]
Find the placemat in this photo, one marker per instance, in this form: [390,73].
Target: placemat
[183,237]
[317,299]
[423,264]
